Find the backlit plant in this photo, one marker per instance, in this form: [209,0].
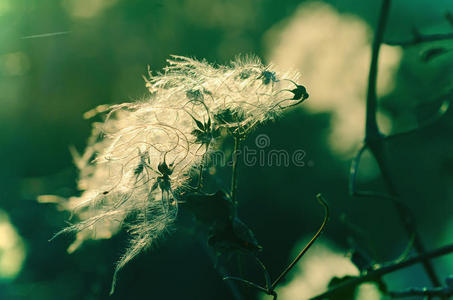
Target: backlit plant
[147,159]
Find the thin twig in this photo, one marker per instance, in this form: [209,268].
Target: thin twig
[247,282]
[269,289]
[378,273]
[267,277]
[434,292]
[419,39]
[355,169]
[315,237]
[371,127]
[443,109]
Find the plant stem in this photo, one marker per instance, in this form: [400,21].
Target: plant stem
[375,142]
[301,253]
[378,273]
[234,171]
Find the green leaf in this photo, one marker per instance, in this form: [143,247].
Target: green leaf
[235,237]
[214,210]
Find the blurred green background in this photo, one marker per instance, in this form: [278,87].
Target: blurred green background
[58,59]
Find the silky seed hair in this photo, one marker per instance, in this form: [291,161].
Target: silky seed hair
[142,159]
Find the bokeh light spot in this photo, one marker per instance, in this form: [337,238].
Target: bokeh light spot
[332,52]
[12,249]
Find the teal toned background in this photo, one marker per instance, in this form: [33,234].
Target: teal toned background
[97,54]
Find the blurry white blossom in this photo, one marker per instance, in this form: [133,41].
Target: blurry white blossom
[143,159]
[12,249]
[333,50]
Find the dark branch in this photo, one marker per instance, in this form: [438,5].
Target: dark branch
[378,273]
[270,288]
[434,292]
[372,130]
[420,39]
[374,140]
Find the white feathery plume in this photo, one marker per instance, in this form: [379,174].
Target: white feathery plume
[141,159]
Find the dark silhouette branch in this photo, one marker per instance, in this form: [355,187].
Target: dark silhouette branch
[431,121]
[425,292]
[376,274]
[375,142]
[420,39]
[269,288]
[371,128]
[312,241]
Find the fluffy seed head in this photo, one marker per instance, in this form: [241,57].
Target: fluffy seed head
[141,160]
